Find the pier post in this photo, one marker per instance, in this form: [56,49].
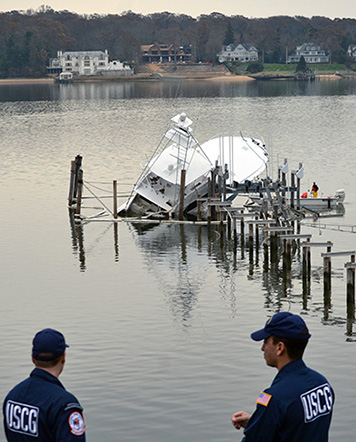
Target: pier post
[114,188]
[181,194]
[273,240]
[265,250]
[284,181]
[234,227]
[228,216]
[116,242]
[292,184]
[225,177]
[306,269]
[199,207]
[350,290]
[73,184]
[220,181]
[242,231]
[287,261]
[327,275]
[250,241]
[257,234]
[298,186]
[80,192]
[209,211]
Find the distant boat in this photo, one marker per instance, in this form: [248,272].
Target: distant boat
[65,77]
[322,203]
[179,160]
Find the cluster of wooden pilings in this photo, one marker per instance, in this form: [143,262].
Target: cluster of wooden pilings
[76,185]
[282,241]
[263,227]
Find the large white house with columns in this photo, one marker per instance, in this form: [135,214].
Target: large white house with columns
[87,63]
[80,62]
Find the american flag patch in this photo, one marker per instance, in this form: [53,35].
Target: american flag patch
[263,398]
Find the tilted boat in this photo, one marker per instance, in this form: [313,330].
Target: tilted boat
[180,162]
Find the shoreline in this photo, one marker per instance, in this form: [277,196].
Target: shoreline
[145,77]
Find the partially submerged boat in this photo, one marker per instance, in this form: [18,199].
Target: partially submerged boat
[180,168]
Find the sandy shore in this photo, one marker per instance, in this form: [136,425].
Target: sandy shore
[25,80]
[206,77]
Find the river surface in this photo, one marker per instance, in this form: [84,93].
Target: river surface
[158,317]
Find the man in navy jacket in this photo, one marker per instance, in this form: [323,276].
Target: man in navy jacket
[297,407]
[40,409]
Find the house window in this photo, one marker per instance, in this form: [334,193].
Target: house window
[86,62]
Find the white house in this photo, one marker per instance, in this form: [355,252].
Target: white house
[241,52]
[79,62]
[311,52]
[116,68]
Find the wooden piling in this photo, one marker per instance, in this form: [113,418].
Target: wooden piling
[209,210]
[350,290]
[306,266]
[76,165]
[250,241]
[181,193]
[257,233]
[284,181]
[199,207]
[79,192]
[327,276]
[327,272]
[116,241]
[114,188]
[71,184]
[234,227]
[298,187]
[292,189]
[242,231]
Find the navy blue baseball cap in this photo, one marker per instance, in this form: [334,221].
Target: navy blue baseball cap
[48,344]
[283,325]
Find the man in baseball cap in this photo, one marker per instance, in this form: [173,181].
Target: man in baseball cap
[297,407]
[48,344]
[40,408]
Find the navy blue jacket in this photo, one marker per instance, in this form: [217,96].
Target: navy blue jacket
[40,409]
[296,408]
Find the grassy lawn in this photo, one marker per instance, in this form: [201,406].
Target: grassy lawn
[289,69]
[319,68]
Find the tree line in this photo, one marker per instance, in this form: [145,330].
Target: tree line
[29,38]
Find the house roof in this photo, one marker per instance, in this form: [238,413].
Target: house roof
[246,46]
[305,45]
[83,53]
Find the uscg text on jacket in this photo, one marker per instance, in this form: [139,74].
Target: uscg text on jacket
[22,418]
[317,402]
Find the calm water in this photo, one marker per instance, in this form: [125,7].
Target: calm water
[158,317]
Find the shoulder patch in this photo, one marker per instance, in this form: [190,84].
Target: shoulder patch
[263,398]
[76,423]
[73,405]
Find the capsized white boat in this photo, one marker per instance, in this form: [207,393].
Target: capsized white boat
[158,187]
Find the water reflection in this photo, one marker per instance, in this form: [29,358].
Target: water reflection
[173,88]
[78,245]
[182,257]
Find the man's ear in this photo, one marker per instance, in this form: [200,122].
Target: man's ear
[281,348]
